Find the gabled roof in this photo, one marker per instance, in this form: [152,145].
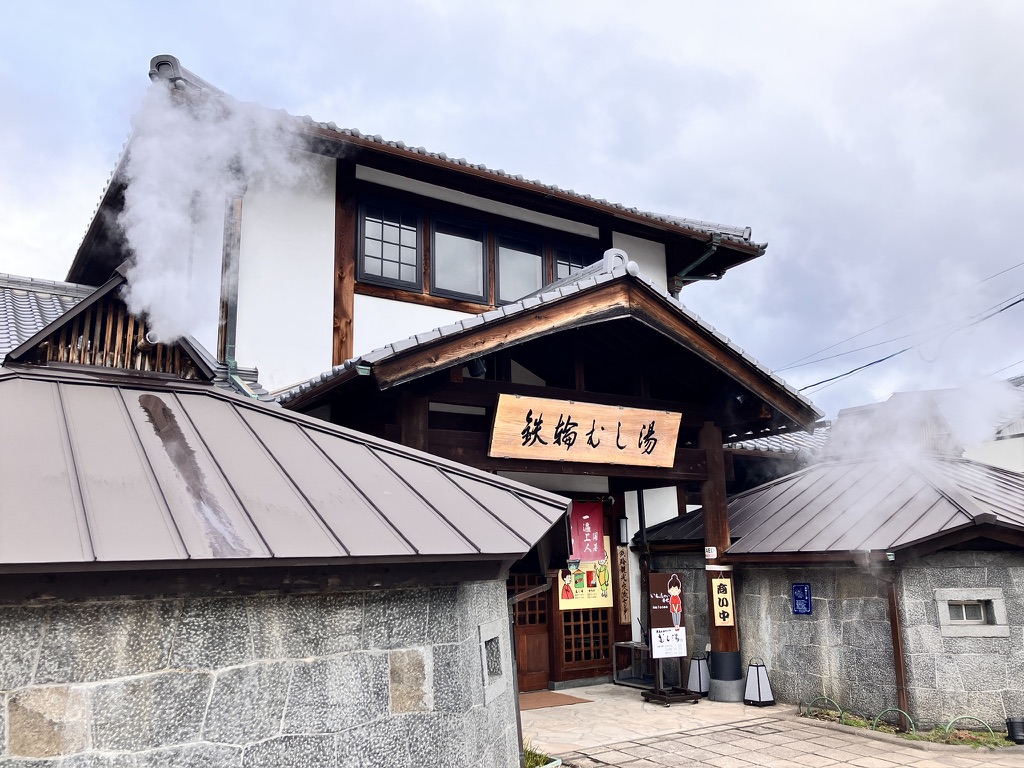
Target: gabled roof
[736,245]
[27,305]
[612,289]
[43,313]
[158,473]
[877,505]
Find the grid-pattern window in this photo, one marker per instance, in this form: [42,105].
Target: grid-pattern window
[587,635]
[390,246]
[532,610]
[569,261]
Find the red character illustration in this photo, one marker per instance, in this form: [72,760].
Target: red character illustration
[567,585]
[675,603]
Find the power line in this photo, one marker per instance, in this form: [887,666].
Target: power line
[796,363]
[976,320]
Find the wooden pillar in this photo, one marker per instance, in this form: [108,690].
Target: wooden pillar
[726,672]
[346,225]
[413,420]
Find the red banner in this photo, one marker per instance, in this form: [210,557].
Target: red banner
[586,530]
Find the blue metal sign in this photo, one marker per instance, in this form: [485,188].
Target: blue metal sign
[802,599]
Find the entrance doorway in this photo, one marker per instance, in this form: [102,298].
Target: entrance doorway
[532,632]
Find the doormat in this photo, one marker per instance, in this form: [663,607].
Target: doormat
[542,699]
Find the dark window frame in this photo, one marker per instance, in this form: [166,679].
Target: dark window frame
[440,220]
[543,250]
[403,210]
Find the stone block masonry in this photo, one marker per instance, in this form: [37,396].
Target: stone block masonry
[389,677]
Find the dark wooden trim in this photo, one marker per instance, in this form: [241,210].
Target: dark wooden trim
[471,448]
[716,533]
[650,310]
[547,198]
[522,326]
[346,225]
[412,420]
[423,299]
[218,580]
[483,392]
[1011,536]
[607,302]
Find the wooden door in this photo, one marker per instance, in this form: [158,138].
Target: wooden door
[531,632]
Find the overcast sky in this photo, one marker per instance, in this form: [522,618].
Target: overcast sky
[878,147]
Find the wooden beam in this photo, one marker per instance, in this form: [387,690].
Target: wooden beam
[483,392]
[413,414]
[662,318]
[471,448]
[346,228]
[520,327]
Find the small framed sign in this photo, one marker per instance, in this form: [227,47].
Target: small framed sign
[802,599]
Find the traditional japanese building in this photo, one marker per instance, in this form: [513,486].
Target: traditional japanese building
[539,337]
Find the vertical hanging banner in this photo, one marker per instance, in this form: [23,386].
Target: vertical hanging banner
[625,609]
[667,635]
[586,584]
[586,531]
[721,603]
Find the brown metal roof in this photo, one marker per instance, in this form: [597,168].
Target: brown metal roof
[97,471]
[878,504]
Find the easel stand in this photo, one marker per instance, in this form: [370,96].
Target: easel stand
[666,696]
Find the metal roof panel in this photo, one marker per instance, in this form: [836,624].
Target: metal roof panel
[37,477]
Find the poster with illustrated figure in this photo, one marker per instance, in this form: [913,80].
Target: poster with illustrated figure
[586,584]
[667,632]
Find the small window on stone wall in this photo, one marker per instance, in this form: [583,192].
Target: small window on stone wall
[493,659]
[492,656]
[979,612]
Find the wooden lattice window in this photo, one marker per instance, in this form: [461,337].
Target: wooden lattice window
[587,635]
[532,610]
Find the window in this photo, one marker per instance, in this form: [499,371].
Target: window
[473,258]
[972,612]
[390,247]
[459,268]
[520,268]
[493,658]
[569,261]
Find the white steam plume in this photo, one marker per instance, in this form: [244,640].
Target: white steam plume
[189,152]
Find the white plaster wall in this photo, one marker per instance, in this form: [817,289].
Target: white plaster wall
[660,504]
[206,252]
[649,256]
[286,280]
[379,322]
[1008,454]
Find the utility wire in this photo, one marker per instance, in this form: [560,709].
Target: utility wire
[976,320]
[796,363]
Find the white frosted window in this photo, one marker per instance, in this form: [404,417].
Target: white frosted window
[458,261]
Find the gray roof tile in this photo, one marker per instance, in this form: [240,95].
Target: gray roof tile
[28,305]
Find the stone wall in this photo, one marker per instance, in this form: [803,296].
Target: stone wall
[387,677]
[977,671]
[843,650]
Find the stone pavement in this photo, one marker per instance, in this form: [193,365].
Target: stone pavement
[618,728]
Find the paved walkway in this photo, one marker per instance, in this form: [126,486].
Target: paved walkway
[618,728]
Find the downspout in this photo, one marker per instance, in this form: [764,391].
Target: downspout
[677,280]
[899,655]
[228,327]
[512,602]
